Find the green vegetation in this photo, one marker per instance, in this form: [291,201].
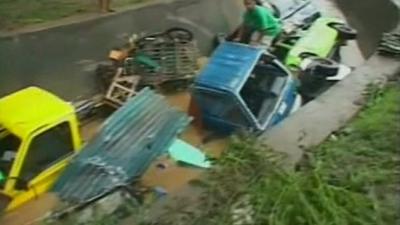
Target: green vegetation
[353,178]
[18,13]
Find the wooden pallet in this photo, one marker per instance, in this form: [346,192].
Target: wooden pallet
[122,88]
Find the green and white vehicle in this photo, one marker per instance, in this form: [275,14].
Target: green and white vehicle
[314,54]
[322,39]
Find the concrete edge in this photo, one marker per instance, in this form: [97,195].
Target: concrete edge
[75,19]
[316,121]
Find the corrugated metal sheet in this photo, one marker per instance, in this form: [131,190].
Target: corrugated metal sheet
[129,141]
[229,66]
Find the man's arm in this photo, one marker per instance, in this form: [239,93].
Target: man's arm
[239,35]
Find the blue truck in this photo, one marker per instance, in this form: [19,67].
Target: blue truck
[244,88]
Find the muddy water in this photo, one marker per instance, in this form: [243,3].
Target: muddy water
[174,177]
[32,212]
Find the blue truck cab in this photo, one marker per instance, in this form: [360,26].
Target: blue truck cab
[244,88]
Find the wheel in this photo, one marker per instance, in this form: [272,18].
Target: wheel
[345,32]
[323,67]
[153,40]
[178,34]
[305,55]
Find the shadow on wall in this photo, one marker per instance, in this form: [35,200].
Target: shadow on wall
[371,18]
[63,59]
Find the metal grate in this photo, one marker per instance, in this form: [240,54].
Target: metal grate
[129,141]
[177,61]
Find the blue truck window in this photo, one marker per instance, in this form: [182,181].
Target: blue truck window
[221,105]
[262,90]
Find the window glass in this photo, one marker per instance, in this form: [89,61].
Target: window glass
[262,90]
[221,106]
[46,149]
[9,145]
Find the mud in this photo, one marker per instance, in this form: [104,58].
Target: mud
[32,212]
[175,176]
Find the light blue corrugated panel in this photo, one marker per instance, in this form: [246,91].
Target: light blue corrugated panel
[129,141]
[229,67]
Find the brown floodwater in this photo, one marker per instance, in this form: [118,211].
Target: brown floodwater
[172,176]
[32,212]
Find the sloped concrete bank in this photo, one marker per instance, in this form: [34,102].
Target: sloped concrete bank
[313,123]
[63,58]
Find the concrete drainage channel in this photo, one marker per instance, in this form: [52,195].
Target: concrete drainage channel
[47,57]
[307,128]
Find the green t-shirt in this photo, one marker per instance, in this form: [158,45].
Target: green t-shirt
[262,20]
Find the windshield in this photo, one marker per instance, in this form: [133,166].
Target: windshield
[9,145]
[263,89]
[221,106]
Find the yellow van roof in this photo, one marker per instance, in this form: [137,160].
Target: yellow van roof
[29,109]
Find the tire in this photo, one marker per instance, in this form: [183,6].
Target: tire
[305,55]
[152,40]
[180,35]
[323,67]
[345,32]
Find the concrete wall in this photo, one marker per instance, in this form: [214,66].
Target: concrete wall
[62,59]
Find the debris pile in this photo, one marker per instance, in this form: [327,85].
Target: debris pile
[131,139]
[174,55]
[149,60]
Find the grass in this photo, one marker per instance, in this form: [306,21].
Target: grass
[18,13]
[353,178]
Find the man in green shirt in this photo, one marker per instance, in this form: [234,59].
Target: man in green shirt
[259,26]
